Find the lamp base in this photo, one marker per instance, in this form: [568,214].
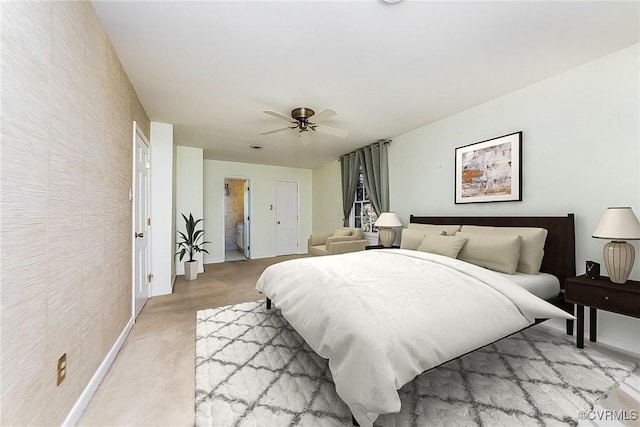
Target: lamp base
[387,236]
[618,259]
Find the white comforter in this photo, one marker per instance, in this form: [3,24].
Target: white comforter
[382,317]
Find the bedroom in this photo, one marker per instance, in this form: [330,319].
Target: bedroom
[580,155]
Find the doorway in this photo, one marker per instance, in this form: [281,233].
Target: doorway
[236,219]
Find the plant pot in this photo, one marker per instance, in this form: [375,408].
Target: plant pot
[190,270]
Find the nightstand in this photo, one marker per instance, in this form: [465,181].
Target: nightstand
[380,247]
[600,294]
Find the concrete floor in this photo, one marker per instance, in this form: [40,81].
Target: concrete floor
[151,382]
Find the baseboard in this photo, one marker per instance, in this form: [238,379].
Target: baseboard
[603,341]
[83,401]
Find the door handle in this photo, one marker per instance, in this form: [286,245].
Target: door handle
[139,235]
[278,222]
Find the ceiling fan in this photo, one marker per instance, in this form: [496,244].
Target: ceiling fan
[305,120]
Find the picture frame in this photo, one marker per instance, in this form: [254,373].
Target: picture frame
[489,171]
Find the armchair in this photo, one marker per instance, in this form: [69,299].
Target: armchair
[341,241]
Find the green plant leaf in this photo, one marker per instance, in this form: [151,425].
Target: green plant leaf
[190,239]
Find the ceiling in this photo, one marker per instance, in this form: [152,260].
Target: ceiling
[211,67]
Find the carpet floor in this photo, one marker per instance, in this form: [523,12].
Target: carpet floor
[253,369]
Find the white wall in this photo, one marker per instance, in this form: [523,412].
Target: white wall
[262,195]
[174,185]
[581,146]
[327,202]
[189,194]
[162,232]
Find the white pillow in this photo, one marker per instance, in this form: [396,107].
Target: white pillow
[442,245]
[450,230]
[495,252]
[532,249]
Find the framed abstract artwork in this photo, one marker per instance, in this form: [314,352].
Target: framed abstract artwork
[490,171]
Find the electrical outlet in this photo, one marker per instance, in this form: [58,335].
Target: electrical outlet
[62,368]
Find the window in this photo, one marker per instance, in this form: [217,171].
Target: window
[363,215]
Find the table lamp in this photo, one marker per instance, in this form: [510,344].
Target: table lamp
[386,221]
[618,225]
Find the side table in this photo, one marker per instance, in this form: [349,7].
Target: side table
[600,294]
[380,247]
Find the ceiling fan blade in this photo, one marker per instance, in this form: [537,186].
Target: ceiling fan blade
[275,130]
[280,116]
[331,131]
[322,116]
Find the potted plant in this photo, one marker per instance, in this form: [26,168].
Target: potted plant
[191,243]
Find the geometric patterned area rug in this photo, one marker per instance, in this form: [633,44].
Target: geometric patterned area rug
[253,369]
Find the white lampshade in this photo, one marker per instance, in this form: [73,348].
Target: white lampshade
[618,224]
[388,219]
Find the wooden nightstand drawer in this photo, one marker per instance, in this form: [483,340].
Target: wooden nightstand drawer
[614,300]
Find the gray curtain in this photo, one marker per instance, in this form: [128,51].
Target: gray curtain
[350,171]
[372,161]
[375,171]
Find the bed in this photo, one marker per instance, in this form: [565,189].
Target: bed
[559,249]
[382,317]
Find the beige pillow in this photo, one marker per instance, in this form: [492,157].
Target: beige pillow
[442,245]
[532,249]
[342,232]
[450,230]
[411,239]
[495,252]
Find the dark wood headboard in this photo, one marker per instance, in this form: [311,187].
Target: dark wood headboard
[560,246]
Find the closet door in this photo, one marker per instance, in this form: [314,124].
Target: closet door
[286,217]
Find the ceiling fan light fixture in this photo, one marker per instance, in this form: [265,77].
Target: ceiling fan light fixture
[305,138]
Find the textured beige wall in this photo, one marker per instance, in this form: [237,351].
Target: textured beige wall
[66,160]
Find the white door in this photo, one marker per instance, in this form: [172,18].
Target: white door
[141,222]
[247,220]
[286,217]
